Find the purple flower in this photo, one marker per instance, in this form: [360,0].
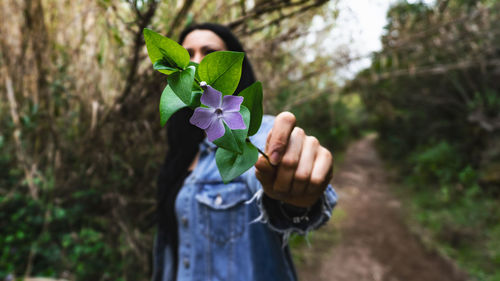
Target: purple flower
[221,109]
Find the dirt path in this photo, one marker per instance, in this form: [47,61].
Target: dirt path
[370,238]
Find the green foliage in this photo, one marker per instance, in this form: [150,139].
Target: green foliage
[70,227]
[46,232]
[463,224]
[181,83]
[196,86]
[439,163]
[468,176]
[229,141]
[252,99]
[334,121]
[222,70]
[169,104]
[195,99]
[89,134]
[435,106]
[231,164]
[234,140]
[175,58]
[161,66]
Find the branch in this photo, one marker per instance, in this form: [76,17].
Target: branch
[144,21]
[435,28]
[489,125]
[285,16]
[304,99]
[434,70]
[258,11]
[21,155]
[180,15]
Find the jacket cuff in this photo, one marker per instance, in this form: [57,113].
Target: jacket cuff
[286,219]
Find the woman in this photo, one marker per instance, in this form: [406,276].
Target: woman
[212,231]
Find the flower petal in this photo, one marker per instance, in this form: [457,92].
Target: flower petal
[211,97]
[231,103]
[234,120]
[203,117]
[215,130]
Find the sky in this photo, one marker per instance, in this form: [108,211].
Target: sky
[358,27]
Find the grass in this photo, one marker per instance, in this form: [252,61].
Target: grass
[309,250]
[463,226]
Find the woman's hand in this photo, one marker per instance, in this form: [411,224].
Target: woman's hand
[300,168]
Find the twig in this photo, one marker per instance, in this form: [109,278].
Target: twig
[263,154]
[285,16]
[180,15]
[17,133]
[34,245]
[258,11]
[143,21]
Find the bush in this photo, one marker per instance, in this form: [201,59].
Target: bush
[334,121]
[439,163]
[434,99]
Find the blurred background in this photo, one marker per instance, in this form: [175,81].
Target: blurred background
[405,93]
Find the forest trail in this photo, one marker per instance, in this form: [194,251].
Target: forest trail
[368,239]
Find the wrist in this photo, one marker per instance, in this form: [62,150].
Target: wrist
[294,213]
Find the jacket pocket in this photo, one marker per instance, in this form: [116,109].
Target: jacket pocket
[222,211]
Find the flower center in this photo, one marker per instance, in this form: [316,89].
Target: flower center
[218,111]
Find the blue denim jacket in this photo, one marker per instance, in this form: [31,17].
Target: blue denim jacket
[226,231]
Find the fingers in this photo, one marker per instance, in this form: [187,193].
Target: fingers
[299,168]
[289,162]
[265,173]
[320,176]
[321,172]
[278,139]
[305,167]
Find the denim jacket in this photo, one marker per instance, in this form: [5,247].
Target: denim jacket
[228,231]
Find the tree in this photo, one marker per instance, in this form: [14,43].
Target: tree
[81,141]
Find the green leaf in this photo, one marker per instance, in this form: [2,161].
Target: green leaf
[182,83]
[169,104]
[222,70]
[228,141]
[252,99]
[241,135]
[161,48]
[192,63]
[195,99]
[231,164]
[161,67]
[234,140]
[196,86]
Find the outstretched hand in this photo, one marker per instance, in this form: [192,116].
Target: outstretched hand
[300,167]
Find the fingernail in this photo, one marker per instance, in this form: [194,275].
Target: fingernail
[275,158]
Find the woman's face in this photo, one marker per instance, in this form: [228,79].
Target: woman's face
[201,42]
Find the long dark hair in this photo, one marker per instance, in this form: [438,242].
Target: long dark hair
[183,141]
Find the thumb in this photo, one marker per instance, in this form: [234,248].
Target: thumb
[264,172]
[277,141]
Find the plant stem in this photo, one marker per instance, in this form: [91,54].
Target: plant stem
[263,154]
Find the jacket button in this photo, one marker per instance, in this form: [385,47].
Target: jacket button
[184,221]
[186,263]
[218,200]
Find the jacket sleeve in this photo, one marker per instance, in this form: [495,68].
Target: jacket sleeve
[279,216]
